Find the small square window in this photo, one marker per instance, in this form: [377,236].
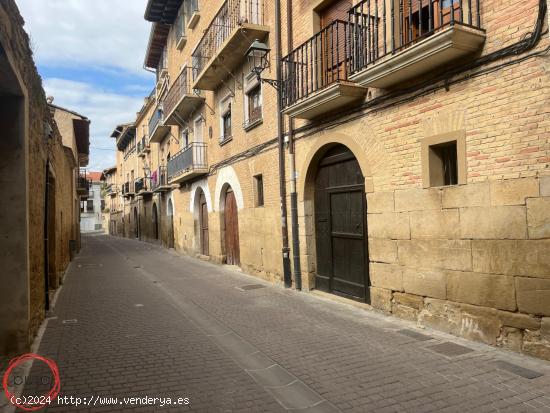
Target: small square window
[259,190]
[444,160]
[443,164]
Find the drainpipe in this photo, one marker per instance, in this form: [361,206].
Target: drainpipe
[280,133]
[293,175]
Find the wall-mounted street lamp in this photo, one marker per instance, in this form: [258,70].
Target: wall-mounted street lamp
[258,57]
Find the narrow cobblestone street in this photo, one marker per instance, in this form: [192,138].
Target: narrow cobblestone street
[136,320]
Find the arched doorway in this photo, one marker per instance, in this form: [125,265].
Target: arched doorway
[170,224]
[231,228]
[340,225]
[155,222]
[203,223]
[136,223]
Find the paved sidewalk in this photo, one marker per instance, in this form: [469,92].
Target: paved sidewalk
[134,319]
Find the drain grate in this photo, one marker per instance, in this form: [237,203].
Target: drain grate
[415,335]
[450,349]
[250,287]
[518,370]
[90,265]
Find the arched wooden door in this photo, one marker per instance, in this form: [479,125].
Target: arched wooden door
[155,222]
[231,222]
[136,223]
[170,224]
[203,224]
[340,226]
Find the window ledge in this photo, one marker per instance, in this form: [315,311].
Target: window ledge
[226,140]
[193,20]
[248,126]
[181,42]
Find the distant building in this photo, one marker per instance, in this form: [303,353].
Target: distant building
[91,209]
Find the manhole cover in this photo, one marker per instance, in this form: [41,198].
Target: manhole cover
[518,370]
[450,349]
[251,287]
[415,335]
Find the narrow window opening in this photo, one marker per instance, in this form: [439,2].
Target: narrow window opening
[259,190]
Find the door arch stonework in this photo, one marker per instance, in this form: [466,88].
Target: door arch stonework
[307,195]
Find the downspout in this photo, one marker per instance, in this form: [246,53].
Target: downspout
[280,133]
[293,175]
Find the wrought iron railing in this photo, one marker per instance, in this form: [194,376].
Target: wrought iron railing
[191,158]
[381,27]
[181,87]
[231,15]
[143,184]
[317,63]
[155,120]
[142,144]
[375,29]
[159,178]
[82,181]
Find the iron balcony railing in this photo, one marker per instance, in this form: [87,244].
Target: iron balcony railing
[181,87]
[317,63]
[231,15]
[381,27]
[142,145]
[159,178]
[83,184]
[191,158]
[143,184]
[375,29]
[155,120]
[127,188]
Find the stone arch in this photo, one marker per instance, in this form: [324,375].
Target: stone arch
[227,177]
[321,145]
[202,184]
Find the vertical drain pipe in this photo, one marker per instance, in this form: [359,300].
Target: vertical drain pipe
[297,267]
[280,133]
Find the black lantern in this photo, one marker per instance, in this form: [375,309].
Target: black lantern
[258,58]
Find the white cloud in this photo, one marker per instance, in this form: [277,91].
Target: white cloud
[97,32]
[105,110]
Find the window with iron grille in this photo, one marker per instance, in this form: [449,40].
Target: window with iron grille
[90,206]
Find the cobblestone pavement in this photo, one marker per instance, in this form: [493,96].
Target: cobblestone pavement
[133,319]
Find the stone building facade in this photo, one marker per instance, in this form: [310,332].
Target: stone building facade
[38,171]
[416,149]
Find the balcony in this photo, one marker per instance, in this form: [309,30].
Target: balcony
[181,100]
[394,41]
[157,129]
[222,48]
[143,147]
[315,74]
[188,163]
[159,180]
[83,184]
[143,186]
[112,191]
[128,190]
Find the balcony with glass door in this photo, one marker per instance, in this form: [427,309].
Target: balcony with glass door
[395,41]
[223,46]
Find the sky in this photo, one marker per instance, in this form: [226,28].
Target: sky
[90,56]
